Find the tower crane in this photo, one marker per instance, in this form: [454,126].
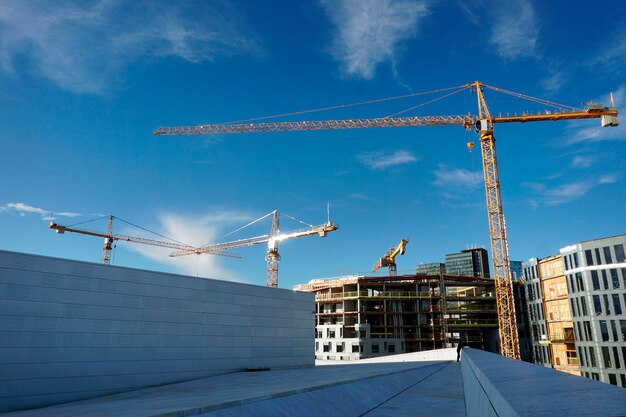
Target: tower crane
[272,240]
[109,238]
[483,123]
[389,259]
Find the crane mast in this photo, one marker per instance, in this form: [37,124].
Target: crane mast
[483,123]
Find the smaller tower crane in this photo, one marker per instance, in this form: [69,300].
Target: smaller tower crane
[272,240]
[389,259]
[109,238]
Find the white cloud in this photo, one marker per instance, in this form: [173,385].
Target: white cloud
[384,160]
[23,209]
[195,231]
[456,178]
[86,46]
[582,161]
[370,32]
[554,82]
[565,193]
[514,29]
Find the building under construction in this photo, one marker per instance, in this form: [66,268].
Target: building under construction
[362,317]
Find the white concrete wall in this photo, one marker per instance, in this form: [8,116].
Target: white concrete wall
[71,330]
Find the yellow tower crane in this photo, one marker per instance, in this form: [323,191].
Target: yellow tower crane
[272,240]
[389,259]
[483,124]
[110,237]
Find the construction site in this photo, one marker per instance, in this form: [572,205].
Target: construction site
[67,318]
[365,317]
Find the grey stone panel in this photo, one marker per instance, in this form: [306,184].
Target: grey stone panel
[74,330]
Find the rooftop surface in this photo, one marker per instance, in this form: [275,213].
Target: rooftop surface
[419,384]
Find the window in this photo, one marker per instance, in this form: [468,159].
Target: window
[614,330]
[614,278]
[606,357]
[592,356]
[576,265]
[583,304]
[392,348]
[580,355]
[595,376]
[619,253]
[616,357]
[616,304]
[607,254]
[604,329]
[375,348]
[589,257]
[595,280]
[622,324]
[579,279]
[597,305]
[607,307]
[326,347]
[612,379]
[355,348]
[598,259]
[340,347]
[566,263]
[588,334]
[605,279]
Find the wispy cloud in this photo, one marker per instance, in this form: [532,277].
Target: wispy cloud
[567,192]
[553,82]
[86,46]
[456,178]
[386,159]
[583,161]
[23,209]
[371,32]
[591,131]
[195,231]
[514,30]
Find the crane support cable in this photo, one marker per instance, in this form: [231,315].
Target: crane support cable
[88,221]
[429,101]
[297,220]
[533,99]
[343,106]
[249,224]
[150,231]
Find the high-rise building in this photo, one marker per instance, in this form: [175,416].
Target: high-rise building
[469,262]
[596,277]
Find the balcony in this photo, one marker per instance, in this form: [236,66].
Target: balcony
[565,336]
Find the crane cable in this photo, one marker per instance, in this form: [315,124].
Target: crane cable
[342,106]
[533,99]
[131,224]
[430,101]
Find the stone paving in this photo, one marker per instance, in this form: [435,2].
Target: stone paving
[358,389]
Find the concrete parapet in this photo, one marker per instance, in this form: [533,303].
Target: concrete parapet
[497,386]
[71,330]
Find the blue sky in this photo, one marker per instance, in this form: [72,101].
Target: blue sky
[84,85]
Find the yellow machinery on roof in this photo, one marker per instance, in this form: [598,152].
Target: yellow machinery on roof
[389,259]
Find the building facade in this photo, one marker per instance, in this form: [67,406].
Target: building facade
[363,317]
[534,308]
[469,262]
[558,315]
[596,277]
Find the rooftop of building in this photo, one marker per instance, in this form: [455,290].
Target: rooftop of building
[416,384]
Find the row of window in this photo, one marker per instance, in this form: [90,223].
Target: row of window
[618,251]
[610,358]
[340,347]
[612,378]
[606,256]
[603,304]
[610,331]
